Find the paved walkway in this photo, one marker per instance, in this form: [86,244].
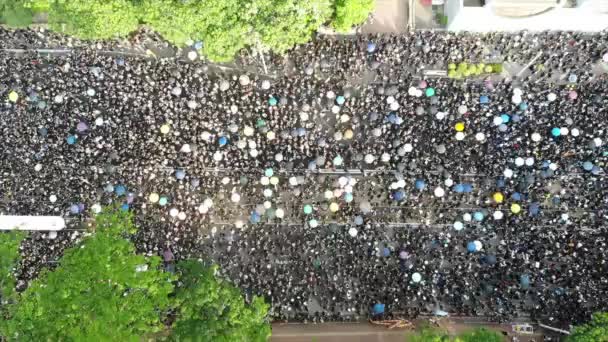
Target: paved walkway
[390,16]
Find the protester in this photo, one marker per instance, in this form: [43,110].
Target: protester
[342,180]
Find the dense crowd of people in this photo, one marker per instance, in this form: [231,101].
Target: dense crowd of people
[342,184]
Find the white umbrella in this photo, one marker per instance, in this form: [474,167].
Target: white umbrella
[416,277]
[439,192]
[478,245]
[352,231]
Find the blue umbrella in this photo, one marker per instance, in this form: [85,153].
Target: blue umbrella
[523,106]
[596,170]
[75,209]
[534,209]
[162,201]
[399,195]
[420,184]
[556,200]
[516,118]
[358,220]
[223,141]
[378,309]
[471,247]
[180,174]
[124,207]
[478,216]
[468,188]
[459,188]
[255,217]
[386,252]
[524,280]
[483,99]
[120,190]
[371,47]
[490,259]
[340,100]
[505,118]
[555,131]
[272,101]
[500,182]
[588,166]
[71,140]
[348,197]
[516,196]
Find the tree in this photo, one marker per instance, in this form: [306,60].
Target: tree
[480,335]
[282,24]
[101,291]
[429,335]
[9,256]
[350,13]
[14,13]
[220,24]
[594,331]
[214,310]
[94,19]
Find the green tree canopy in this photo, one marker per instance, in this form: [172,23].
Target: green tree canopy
[14,13]
[351,12]
[429,335]
[94,19]
[213,310]
[480,335]
[225,26]
[9,256]
[595,330]
[101,291]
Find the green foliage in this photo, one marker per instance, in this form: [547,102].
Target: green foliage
[225,26]
[14,13]
[96,292]
[429,335]
[94,19]
[281,24]
[350,13]
[463,69]
[594,331]
[9,256]
[213,310]
[38,6]
[480,335]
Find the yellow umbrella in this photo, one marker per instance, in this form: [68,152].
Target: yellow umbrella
[348,134]
[334,207]
[459,127]
[515,208]
[164,129]
[153,197]
[498,197]
[13,96]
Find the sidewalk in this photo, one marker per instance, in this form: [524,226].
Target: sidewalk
[390,16]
